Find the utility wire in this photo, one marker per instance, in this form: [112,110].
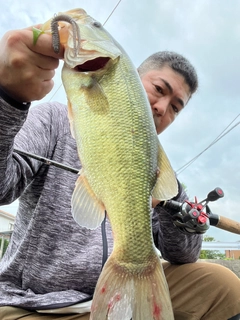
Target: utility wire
[220,136]
[184,167]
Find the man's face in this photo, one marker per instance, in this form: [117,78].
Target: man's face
[167,93]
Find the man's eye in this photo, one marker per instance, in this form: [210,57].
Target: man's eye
[175,109]
[159,89]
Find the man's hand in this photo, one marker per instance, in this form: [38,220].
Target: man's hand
[27,69]
[155,202]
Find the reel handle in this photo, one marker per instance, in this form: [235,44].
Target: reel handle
[215,194]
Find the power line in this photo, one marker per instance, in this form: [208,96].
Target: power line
[184,167]
[220,136]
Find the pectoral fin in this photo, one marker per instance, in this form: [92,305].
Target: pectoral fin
[87,210]
[95,97]
[166,186]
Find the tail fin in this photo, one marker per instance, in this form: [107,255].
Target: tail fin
[123,294]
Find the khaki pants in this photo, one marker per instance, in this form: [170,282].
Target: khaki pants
[198,291]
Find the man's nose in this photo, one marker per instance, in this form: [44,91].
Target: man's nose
[160,107]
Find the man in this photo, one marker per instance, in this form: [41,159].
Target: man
[51,262]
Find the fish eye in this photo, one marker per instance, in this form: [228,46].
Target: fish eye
[97,24]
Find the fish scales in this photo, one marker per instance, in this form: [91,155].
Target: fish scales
[123,192]
[121,158]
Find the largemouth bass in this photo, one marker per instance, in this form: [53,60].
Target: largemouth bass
[123,167]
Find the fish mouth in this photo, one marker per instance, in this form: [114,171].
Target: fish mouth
[92,65]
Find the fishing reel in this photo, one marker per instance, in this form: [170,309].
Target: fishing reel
[194,217]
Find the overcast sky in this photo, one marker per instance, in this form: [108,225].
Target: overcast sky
[208,34]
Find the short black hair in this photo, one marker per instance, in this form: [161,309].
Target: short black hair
[176,62]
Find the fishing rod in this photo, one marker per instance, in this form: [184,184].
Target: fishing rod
[189,217]
[47,161]
[196,217]
[76,171]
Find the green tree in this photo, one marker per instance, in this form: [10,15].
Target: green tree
[211,254]
[5,245]
[184,187]
[208,238]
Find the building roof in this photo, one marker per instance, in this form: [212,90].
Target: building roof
[7,215]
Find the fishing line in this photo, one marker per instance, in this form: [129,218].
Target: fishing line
[219,137]
[103,25]
[55,92]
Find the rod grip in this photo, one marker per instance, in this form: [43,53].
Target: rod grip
[228,225]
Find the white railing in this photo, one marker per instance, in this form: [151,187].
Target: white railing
[212,245]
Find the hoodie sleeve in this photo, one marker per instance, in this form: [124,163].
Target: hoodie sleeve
[12,117]
[175,246]
[26,129]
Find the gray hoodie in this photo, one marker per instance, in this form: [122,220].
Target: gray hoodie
[51,261]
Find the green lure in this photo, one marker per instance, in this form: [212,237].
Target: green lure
[36,33]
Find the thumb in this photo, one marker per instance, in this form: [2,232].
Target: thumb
[42,43]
